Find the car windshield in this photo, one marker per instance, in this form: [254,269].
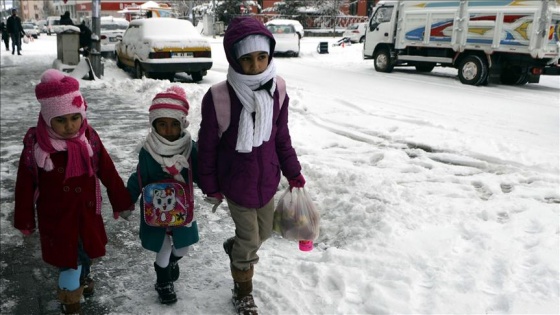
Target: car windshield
[28,26]
[281,29]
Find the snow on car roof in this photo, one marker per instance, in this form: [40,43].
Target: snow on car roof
[166,27]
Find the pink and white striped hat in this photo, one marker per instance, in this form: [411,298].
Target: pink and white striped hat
[59,95]
[172,103]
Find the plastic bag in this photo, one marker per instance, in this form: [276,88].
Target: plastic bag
[25,40]
[295,216]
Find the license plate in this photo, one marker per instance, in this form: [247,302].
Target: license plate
[113,39]
[183,55]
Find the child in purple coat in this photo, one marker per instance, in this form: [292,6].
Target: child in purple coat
[243,164]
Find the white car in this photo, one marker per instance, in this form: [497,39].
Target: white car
[287,39]
[111,32]
[30,29]
[296,24]
[356,32]
[160,47]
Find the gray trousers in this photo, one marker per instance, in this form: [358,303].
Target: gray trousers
[253,226]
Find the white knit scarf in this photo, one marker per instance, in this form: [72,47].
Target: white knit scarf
[172,156]
[259,102]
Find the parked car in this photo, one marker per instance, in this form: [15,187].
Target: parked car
[160,47]
[30,29]
[111,32]
[296,24]
[53,25]
[42,25]
[287,39]
[356,32]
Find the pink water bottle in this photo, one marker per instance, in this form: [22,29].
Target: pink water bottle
[305,245]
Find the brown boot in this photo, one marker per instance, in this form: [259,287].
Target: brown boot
[242,288]
[70,300]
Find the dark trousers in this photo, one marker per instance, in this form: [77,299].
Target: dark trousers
[16,41]
[6,39]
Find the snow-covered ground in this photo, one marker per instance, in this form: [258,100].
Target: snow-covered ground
[435,197]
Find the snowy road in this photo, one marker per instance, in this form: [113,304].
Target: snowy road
[435,197]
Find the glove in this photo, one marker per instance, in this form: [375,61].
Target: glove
[297,182]
[215,199]
[26,232]
[123,214]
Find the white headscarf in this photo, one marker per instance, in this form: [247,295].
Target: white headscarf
[259,102]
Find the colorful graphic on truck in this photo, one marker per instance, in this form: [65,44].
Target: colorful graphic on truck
[515,30]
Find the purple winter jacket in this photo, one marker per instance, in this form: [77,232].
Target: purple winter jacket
[248,179]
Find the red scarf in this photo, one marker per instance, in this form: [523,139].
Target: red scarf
[78,148]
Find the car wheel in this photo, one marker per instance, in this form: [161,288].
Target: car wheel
[196,76]
[382,61]
[362,39]
[119,63]
[473,70]
[138,72]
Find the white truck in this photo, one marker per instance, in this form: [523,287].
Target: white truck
[511,42]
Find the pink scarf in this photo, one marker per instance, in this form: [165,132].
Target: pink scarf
[78,147]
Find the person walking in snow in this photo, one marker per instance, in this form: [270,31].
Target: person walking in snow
[168,153]
[5,35]
[15,29]
[243,164]
[58,176]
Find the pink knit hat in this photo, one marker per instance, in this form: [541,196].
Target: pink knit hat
[172,103]
[59,95]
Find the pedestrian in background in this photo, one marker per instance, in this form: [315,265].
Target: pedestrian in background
[5,35]
[65,19]
[243,163]
[58,176]
[13,24]
[168,153]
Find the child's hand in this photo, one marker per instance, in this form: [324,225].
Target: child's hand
[26,232]
[297,182]
[215,199]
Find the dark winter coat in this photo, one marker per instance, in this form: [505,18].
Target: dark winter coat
[13,24]
[248,179]
[150,172]
[4,30]
[66,210]
[65,19]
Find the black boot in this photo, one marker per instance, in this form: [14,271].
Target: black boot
[174,265]
[164,285]
[228,246]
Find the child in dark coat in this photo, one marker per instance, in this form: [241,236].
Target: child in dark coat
[167,153]
[243,164]
[59,171]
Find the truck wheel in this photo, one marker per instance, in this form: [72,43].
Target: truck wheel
[513,76]
[382,61]
[473,70]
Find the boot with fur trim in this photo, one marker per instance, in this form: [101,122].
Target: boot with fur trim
[70,300]
[242,297]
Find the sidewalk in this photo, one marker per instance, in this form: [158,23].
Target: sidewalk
[32,283]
